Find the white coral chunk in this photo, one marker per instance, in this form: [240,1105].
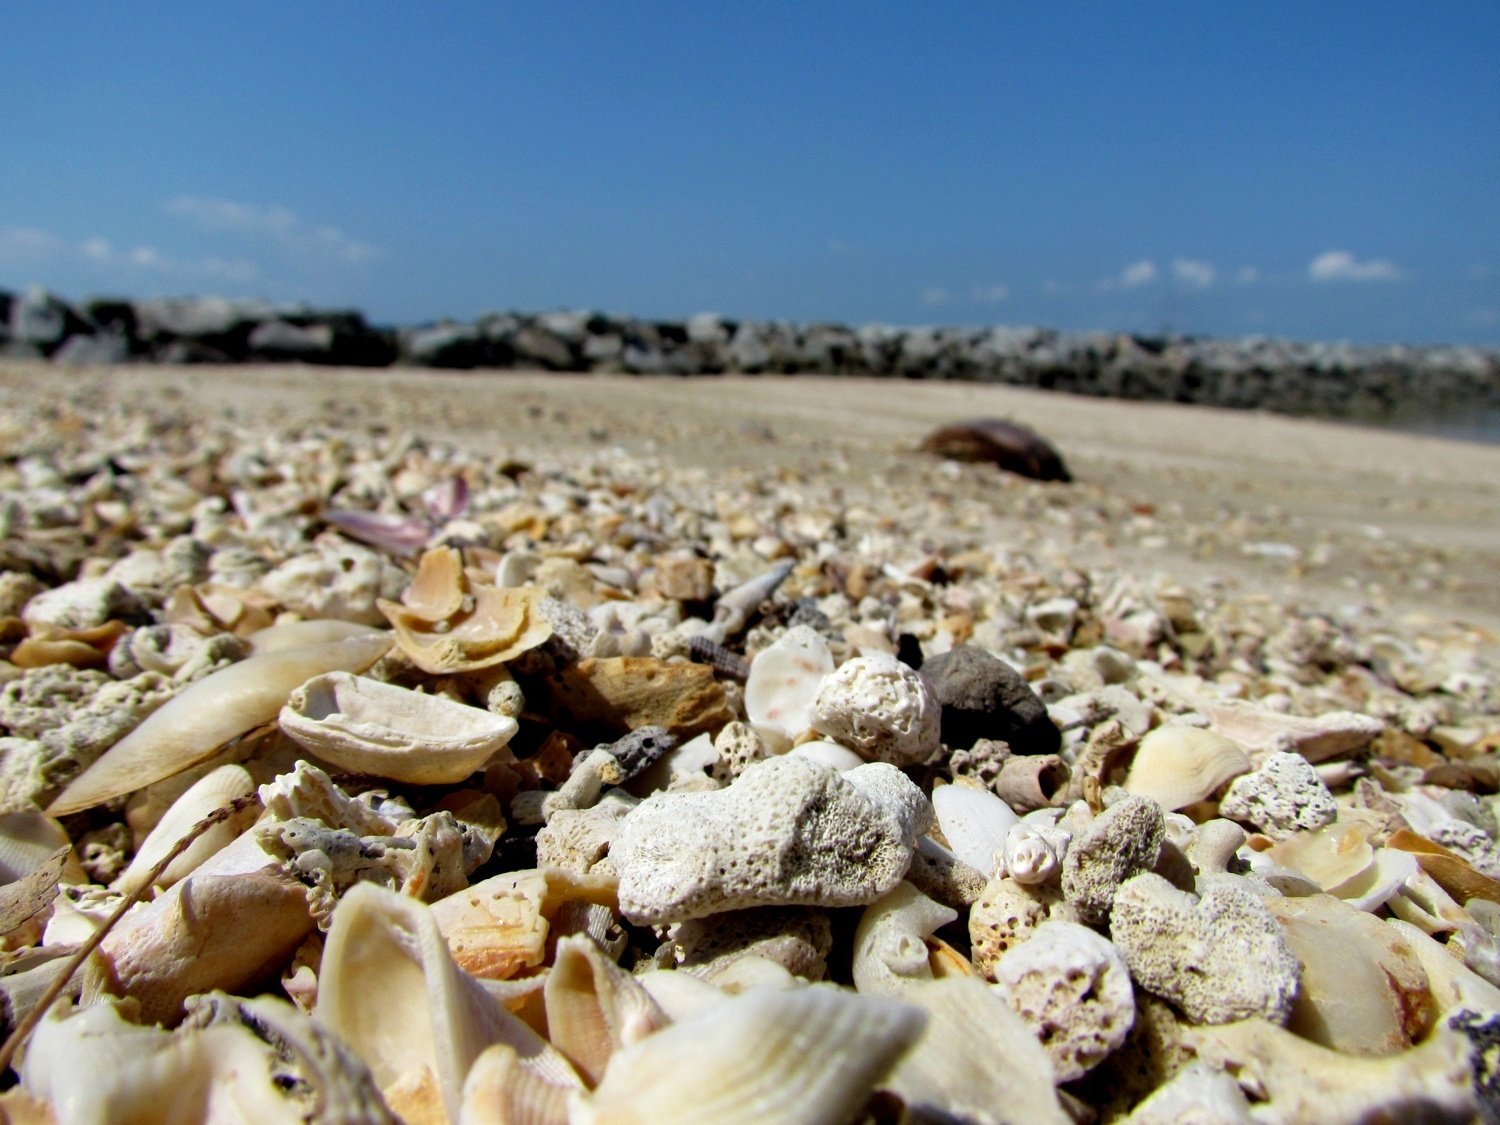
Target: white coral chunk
[880,707]
[788,831]
[1073,989]
[1284,795]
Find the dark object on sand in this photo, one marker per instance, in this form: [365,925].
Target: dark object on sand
[1008,444]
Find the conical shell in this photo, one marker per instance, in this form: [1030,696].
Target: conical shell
[890,942]
[369,727]
[1178,766]
[594,1007]
[803,1057]
[207,714]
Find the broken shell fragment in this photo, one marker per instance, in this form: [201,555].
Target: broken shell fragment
[212,791]
[975,823]
[1178,766]
[207,714]
[368,727]
[890,943]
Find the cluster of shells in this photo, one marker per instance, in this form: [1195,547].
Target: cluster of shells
[372,780]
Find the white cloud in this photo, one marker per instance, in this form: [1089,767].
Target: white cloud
[1247,275]
[1199,275]
[278,225]
[1138,273]
[97,249]
[934,296]
[1340,265]
[990,294]
[28,244]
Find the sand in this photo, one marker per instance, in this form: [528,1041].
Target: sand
[1332,516]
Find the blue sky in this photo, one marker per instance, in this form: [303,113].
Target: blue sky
[1327,170]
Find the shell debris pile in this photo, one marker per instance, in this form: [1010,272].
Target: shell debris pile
[602,790]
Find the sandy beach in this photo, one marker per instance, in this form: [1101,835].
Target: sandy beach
[1334,517]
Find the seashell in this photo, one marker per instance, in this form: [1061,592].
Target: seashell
[501,1090]
[300,634]
[1032,781]
[678,994]
[1421,900]
[890,942]
[807,1055]
[977,1061]
[829,754]
[1380,882]
[390,989]
[1452,872]
[735,606]
[1331,855]
[1030,856]
[212,791]
[1010,445]
[368,727]
[1177,766]
[1263,731]
[446,623]
[28,839]
[1454,986]
[498,927]
[1363,990]
[206,932]
[207,714]
[975,823]
[594,1007]
[81,648]
[400,535]
[784,680]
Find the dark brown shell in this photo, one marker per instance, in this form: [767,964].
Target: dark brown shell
[1010,445]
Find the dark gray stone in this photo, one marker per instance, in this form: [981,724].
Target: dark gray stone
[984,697]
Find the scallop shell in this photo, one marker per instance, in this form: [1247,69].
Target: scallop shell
[975,823]
[369,727]
[210,792]
[1178,766]
[207,714]
[806,1055]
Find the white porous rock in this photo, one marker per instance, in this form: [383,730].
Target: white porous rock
[881,708]
[1219,957]
[888,786]
[339,581]
[82,604]
[784,680]
[1122,841]
[787,832]
[1007,913]
[1283,796]
[1073,989]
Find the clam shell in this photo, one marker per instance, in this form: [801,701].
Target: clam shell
[975,823]
[1178,766]
[207,714]
[806,1055]
[368,727]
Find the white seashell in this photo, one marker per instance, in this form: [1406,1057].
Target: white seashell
[806,1055]
[977,1061]
[207,714]
[1262,731]
[784,680]
[501,1090]
[975,823]
[1378,884]
[210,792]
[890,942]
[1177,766]
[829,754]
[390,989]
[594,1007]
[300,634]
[1453,984]
[1332,855]
[678,994]
[368,727]
[1419,899]
[28,839]
[1030,857]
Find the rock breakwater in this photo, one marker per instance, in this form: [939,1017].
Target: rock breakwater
[1335,380]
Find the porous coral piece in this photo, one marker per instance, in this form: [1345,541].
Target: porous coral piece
[1007,913]
[738,745]
[606,698]
[1073,989]
[83,604]
[787,832]
[1122,841]
[1283,795]
[893,789]
[1219,957]
[579,839]
[879,707]
[340,581]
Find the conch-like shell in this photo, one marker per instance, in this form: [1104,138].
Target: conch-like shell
[890,942]
[1178,766]
[389,987]
[368,727]
[207,714]
[806,1055]
[447,623]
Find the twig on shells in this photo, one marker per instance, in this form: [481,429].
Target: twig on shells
[32,1018]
